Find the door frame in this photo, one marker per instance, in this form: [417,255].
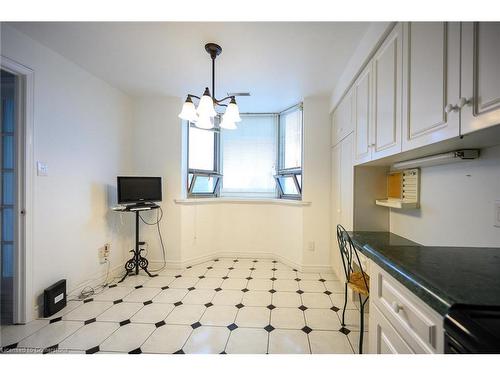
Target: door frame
[24,301]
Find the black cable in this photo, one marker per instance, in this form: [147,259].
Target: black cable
[159,217]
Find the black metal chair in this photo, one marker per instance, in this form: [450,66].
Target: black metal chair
[356,279]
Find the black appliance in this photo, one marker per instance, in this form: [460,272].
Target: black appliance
[54,298]
[138,189]
[471,329]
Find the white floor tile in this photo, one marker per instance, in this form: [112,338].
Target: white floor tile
[185,314]
[338,301]
[134,280]
[354,340]
[88,310]
[120,312]
[311,286]
[184,282]
[228,297]
[334,286]
[236,284]
[285,341]
[50,335]
[253,317]
[262,274]
[113,294]
[308,276]
[199,297]
[287,317]
[209,283]
[194,272]
[171,272]
[152,313]
[286,299]
[316,300]
[322,319]
[247,341]
[285,274]
[352,319]
[89,336]
[282,266]
[142,295]
[219,316]
[329,276]
[70,306]
[243,265]
[170,295]
[223,264]
[167,339]
[260,284]
[329,342]
[217,272]
[239,273]
[14,333]
[257,298]
[127,337]
[159,281]
[286,285]
[206,340]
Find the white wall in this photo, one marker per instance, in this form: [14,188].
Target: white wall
[82,129]
[193,232]
[457,203]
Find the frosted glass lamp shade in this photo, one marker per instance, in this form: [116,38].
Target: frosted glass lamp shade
[188,112]
[227,124]
[205,122]
[206,106]
[232,112]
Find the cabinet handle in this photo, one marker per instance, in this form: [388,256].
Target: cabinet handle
[451,108]
[396,307]
[462,102]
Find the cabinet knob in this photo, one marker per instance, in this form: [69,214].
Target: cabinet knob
[462,102]
[396,307]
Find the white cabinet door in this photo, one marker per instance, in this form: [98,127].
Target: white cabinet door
[387,82]
[346,183]
[362,96]
[336,262]
[480,76]
[342,119]
[431,82]
[383,338]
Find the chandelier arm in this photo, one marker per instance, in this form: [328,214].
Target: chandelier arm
[194,96]
[213,77]
[221,100]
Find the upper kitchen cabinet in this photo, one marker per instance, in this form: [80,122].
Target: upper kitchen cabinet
[480,97]
[387,89]
[342,118]
[431,82]
[362,101]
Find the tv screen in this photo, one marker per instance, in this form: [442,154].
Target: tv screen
[139,189]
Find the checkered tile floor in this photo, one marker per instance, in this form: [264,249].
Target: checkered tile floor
[221,306]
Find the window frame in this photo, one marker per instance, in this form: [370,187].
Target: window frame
[295,171]
[215,173]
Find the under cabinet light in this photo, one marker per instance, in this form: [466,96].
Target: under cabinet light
[439,159]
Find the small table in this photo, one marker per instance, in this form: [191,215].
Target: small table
[137,261]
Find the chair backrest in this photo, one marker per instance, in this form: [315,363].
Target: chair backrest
[349,254]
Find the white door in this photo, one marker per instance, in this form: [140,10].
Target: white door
[387,74]
[346,183]
[383,337]
[362,93]
[480,97]
[431,83]
[335,209]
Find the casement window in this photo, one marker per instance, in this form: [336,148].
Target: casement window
[262,158]
[289,174]
[204,175]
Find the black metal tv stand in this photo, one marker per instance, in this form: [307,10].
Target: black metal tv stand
[138,261]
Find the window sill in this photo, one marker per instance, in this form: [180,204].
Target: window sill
[279,202]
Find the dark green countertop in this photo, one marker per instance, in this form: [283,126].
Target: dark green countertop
[440,276]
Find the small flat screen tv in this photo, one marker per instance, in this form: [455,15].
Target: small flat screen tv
[138,189]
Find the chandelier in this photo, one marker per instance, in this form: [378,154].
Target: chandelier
[203,115]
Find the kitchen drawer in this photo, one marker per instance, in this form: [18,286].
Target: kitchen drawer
[383,337]
[418,324]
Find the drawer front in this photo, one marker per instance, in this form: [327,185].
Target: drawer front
[383,337]
[418,324]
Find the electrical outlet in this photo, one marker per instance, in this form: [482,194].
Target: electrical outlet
[103,253]
[310,246]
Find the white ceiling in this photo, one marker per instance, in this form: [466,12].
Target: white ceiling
[278,62]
